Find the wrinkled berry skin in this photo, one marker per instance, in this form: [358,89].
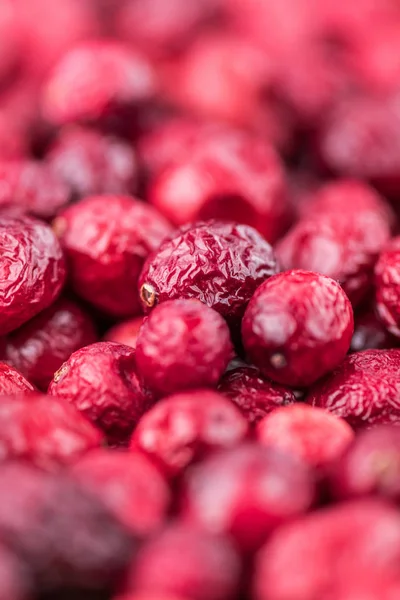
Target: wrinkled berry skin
[220,263]
[364,389]
[246,493]
[387,287]
[252,394]
[12,381]
[32,270]
[43,430]
[39,348]
[182,345]
[297,327]
[101,382]
[65,534]
[126,332]
[15,579]
[186,427]
[106,240]
[311,434]
[186,562]
[370,333]
[90,163]
[129,485]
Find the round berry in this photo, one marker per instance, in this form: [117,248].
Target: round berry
[185,427]
[32,270]
[220,263]
[101,382]
[387,287]
[106,240]
[182,345]
[298,327]
[12,381]
[126,332]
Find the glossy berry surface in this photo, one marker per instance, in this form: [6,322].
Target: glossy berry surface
[247,492]
[311,434]
[254,395]
[219,263]
[364,389]
[186,427]
[101,381]
[125,332]
[12,381]
[32,270]
[297,327]
[106,240]
[387,287]
[182,345]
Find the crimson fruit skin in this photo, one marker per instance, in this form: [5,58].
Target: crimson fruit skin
[246,493]
[186,562]
[220,263]
[129,485]
[363,390]
[41,346]
[43,431]
[12,381]
[95,79]
[370,333]
[90,163]
[387,288]
[101,382]
[106,240]
[182,345]
[252,394]
[32,270]
[125,332]
[329,552]
[297,327]
[185,427]
[312,434]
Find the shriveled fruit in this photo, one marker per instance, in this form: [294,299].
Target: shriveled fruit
[12,381]
[387,286]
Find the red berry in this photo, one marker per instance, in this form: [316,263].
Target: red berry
[15,579]
[182,345]
[12,381]
[106,240]
[186,427]
[91,163]
[247,492]
[387,286]
[370,333]
[311,434]
[39,348]
[364,389]
[219,263]
[32,270]
[94,79]
[101,382]
[188,563]
[297,327]
[43,430]
[254,395]
[129,485]
[126,332]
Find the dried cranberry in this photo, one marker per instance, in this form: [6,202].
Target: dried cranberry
[101,382]
[387,287]
[12,381]
[32,270]
[91,163]
[15,579]
[247,492]
[182,345]
[44,431]
[254,395]
[370,333]
[220,263]
[129,484]
[188,563]
[106,241]
[126,332]
[298,327]
[183,428]
[39,348]
[312,434]
[364,389]
[94,79]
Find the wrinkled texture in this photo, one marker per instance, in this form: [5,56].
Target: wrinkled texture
[126,332]
[387,287]
[12,381]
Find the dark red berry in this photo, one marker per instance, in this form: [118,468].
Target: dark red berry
[370,333]
[298,327]
[106,240]
[254,395]
[182,345]
[186,427]
[32,270]
[313,435]
[247,492]
[364,389]
[219,263]
[39,348]
[129,485]
[101,382]
[387,287]
[12,381]
[126,332]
